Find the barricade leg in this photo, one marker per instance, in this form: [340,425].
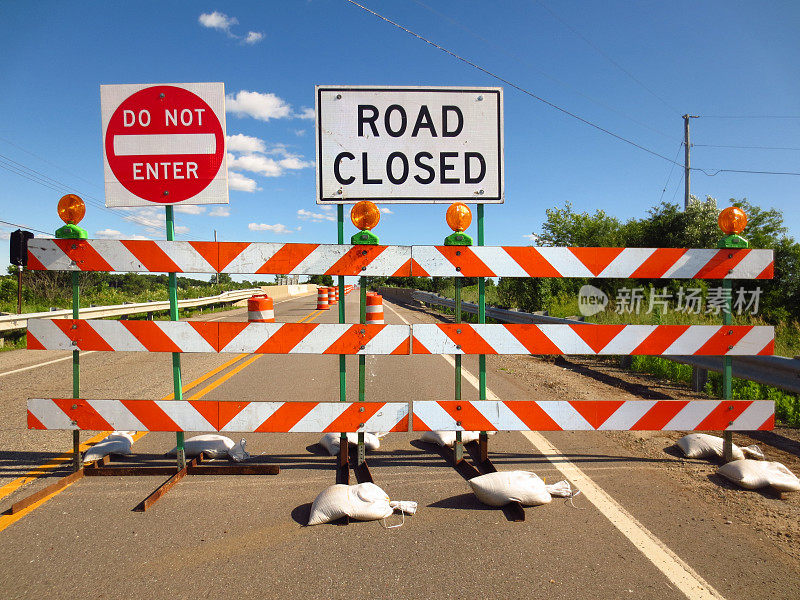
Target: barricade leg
[176,356]
[76,374]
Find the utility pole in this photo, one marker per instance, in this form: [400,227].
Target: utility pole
[686,167]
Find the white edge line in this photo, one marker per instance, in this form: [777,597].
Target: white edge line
[44,364]
[686,579]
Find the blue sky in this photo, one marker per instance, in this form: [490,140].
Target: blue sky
[632,68]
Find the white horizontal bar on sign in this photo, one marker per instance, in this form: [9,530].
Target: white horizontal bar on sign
[167,143]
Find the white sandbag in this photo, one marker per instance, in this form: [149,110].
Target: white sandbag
[213,446]
[331,504]
[365,502]
[120,435]
[502,487]
[448,438]
[702,445]
[562,489]
[754,474]
[330,441]
[105,448]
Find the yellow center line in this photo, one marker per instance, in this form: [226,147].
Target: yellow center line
[8,519]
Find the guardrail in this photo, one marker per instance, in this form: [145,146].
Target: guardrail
[20,321]
[779,371]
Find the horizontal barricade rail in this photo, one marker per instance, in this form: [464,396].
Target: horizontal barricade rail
[594,415]
[211,415]
[450,415]
[591,339]
[150,256]
[205,336]
[446,338]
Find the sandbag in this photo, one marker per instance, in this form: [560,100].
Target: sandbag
[702,445]
[213,446]
[448,438]
[365,502]
[754,474]
[502,487]
[117,442]
[330,441]
[120,435]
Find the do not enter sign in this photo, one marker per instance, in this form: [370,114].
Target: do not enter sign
[164,144]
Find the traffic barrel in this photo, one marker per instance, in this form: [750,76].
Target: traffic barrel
[260,309]
[375,310]
[322,298]
[333,295]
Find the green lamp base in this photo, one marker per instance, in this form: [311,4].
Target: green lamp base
[72,232]
[458,238]
[365,237]
[733,241]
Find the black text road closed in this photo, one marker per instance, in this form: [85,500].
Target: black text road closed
[409,145]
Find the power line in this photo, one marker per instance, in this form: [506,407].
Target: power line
[671,169]
[750,116]
[530,65]
[511,84]
[18,226]
[38,177]
[747,147]
[718,171]
[606,56]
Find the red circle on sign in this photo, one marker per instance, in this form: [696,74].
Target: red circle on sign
[159,144]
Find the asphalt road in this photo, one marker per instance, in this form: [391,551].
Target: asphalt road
[634,532]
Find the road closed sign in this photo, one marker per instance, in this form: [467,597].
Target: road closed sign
[164,144]
[409,144]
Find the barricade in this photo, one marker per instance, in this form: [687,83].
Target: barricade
[372,338]
[260,309]
[322,299]
[374,310]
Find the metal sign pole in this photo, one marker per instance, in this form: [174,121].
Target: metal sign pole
[362,360]
[343,444]
[176,356]
[76,373]
[484,437]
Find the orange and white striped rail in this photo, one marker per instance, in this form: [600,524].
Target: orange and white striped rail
[399,261]
[654,340]
[211,415]
[529,261]
[147,256]
[205,336]
[594,415]
[374,310]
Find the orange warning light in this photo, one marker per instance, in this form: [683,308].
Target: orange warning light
[365,215]
[459,216]
[732,220]
[71,209]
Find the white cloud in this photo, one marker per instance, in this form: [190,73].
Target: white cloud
[294,162]
[218,21]
[136,236]
[305,113]
[181,229]
[5,235]
[190,209]
[386,211]
[222,211]
[532,237]
[278,228]
[255,163]
[327,207]
[299,132]
[108,234]
[151,219]
[259,106]
[240,183]
[314,217]
[245,143]
[253,37]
